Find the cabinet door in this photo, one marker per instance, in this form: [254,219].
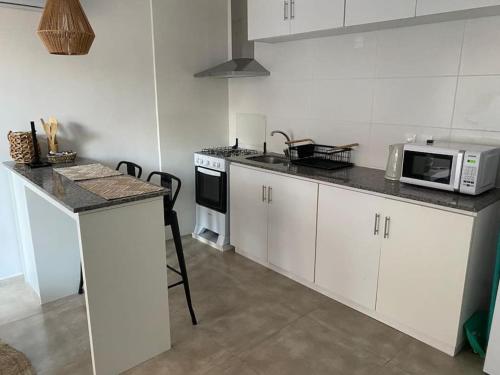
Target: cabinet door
[314,15]
[442,6]
[359,12]
[248,213]
[292,225]
[348,244]
[422,268]
[268,18]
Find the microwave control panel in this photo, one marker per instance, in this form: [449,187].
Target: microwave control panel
[469,172]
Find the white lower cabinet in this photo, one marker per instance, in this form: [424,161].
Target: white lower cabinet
[348,244]
[248,213]
[273,219]
[405,262]
[292,225]
[423,267]
[422,270]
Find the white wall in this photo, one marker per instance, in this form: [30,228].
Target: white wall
[440,80]
[105,101]
[190,36]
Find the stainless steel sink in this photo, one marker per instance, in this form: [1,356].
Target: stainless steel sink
[269,159]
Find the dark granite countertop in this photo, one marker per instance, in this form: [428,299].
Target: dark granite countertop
[373,180]
[68,193]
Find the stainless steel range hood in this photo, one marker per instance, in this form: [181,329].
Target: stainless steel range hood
[243,63]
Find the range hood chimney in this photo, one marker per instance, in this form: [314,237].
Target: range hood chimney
[243,63]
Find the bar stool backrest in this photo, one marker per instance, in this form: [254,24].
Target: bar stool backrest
[167,180]
[133,169]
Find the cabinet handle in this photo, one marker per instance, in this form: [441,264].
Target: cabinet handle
[387,227]
[269,194]
[285,10]
[292,9]
[264,193]
[376,229]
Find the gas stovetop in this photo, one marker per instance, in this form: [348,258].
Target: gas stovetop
[226,151]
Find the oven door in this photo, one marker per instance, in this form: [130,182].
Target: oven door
[432,167]
[211,189]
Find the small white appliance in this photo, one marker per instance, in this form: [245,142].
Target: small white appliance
[212,195]
[464,168]
[394,162]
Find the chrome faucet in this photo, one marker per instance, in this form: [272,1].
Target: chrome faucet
[285,151]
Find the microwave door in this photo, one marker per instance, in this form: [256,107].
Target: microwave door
[436,170]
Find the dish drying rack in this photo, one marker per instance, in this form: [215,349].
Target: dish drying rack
[319,156]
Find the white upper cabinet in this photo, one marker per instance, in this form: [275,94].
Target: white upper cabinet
[268,18]
[425,7]
[277,20]
[360,12]
[315,15]
[348,244]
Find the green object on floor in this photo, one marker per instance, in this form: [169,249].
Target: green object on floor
[476,329]
[478,326]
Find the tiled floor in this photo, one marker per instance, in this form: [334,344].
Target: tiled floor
[251,321]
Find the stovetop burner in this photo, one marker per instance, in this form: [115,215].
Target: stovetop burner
[227,151]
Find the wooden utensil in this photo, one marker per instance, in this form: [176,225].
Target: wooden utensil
[299,141]
[50,129]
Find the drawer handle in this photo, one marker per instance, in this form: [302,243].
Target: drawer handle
[269,194]
[264,188]
[387,227]
[285,10]
[292,9]
[376,229]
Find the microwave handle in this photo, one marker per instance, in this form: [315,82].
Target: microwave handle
[209,172]
[458,170]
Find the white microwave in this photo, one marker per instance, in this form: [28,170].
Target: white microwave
[463,168]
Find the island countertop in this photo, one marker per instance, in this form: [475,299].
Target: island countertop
[372,180]
[67,192]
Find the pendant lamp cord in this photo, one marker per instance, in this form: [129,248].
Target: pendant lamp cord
[20,5]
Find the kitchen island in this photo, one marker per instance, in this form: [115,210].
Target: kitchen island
[119,245]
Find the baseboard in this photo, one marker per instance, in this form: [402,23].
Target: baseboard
[449,349]
[11,279]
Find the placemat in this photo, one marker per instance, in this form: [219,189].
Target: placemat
[118,187]
[87,172]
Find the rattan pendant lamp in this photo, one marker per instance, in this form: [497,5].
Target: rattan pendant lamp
[65,29]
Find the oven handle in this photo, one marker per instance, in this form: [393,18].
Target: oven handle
[209,172]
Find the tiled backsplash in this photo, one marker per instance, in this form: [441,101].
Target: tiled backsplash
[439,80]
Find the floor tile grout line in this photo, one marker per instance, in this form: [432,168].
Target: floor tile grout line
[260,342]
[326,326]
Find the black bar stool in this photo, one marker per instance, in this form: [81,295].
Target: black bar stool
[171,220]
[133,170]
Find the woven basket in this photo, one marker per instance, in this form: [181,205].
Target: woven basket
[21,147]
[66,158]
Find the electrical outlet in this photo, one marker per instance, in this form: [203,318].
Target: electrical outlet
[427,138]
